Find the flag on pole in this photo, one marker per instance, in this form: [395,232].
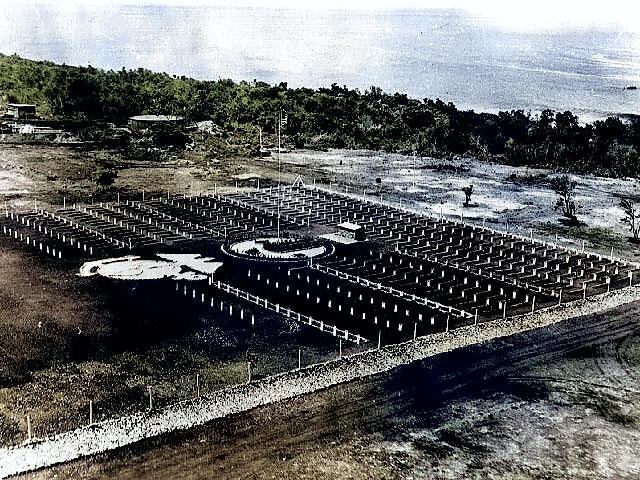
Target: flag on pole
[283,120]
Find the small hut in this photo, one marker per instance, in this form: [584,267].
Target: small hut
[19,111]
[351,230]
[143,122]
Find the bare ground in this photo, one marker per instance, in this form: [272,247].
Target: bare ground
[561,416]
[510,409]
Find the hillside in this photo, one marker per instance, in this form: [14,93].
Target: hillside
[335,117]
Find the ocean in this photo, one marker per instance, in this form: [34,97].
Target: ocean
[448,54]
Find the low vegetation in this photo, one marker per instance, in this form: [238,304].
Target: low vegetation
[336,117]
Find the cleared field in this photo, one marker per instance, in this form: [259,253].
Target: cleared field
[68,340]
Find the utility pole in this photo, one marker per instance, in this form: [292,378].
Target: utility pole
[279,168]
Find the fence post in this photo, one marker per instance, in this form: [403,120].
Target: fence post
[29,436]
[533,304]
[560,297]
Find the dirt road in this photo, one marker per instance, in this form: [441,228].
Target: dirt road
[558,405]
[561,402]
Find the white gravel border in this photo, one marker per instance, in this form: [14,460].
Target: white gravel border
[127,430]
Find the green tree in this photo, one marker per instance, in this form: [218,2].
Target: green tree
[565,187]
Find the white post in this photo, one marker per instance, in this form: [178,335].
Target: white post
[29,436]
[198,384]
[533,304]
[560,297]
[90,412]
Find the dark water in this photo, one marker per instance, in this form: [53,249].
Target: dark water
[446,54]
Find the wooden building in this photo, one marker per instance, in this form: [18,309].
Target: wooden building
[19,111]
[142,122]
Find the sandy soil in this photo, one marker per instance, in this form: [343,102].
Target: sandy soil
[505,198]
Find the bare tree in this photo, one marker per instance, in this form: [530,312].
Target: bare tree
[565,188]
[631,217]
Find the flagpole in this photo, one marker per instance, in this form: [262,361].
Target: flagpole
[279,172]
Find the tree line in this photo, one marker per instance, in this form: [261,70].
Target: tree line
[331,117]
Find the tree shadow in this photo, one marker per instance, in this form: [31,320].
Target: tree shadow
[571,222]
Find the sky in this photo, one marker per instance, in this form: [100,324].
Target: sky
[478,53]
[517,15]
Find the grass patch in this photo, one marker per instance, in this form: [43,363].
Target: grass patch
[9,432]
[597,239]
[459,440]
[435,448]
[57,398]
